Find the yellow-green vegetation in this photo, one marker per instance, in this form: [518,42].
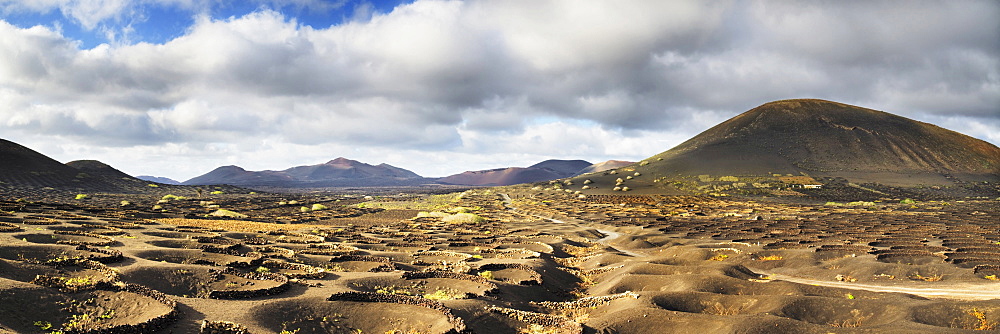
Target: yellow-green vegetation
[486,274]
[770,258]
[170,197]
[931,278]
[317,207]
[43,325]
[539,329]
[393,290]
[262,269]
[217,192]
[981,322]
[719,257]
[907,201]
[457,218]
[78,281]
[81,196]
[152,185]
[444,294]
[304,209]
[227,213]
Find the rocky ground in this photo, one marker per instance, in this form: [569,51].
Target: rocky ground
[517,259]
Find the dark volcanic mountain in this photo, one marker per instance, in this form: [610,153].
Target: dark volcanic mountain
[22,166]
[24,172]
[339,172]
[820,138]
[542,171]
[98,169]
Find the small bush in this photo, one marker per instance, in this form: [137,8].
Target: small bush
[442,294]
[317,207]
[228,213]
[217,192]
[153,185]
[170,197]
[908,201]
[438,214]
[81,196]
[463,218]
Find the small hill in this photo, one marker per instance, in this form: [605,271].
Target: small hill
[343,168]
[158,179]
[603,166]
[235,175]
[22,166]
[542,171]
[821,139]
[567,167]
[501,176]
[97,168]
[340,172]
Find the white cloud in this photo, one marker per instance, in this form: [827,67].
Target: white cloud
[484,82]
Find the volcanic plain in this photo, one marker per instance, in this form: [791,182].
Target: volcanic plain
[798,216]
[518,259]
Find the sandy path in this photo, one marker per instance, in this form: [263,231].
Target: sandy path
[960,291]
[608,234]
[612,235]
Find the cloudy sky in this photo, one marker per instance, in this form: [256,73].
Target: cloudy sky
[178,87]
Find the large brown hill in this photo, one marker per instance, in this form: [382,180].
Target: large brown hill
[819,138]
[22,166]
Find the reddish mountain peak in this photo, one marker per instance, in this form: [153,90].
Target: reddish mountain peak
[342,161]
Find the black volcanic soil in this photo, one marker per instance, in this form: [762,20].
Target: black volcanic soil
[543,260]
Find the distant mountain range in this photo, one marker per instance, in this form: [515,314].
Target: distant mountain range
[343,172]
[24,169]
[542,171]
[158,179]
[335,173]
[811,139]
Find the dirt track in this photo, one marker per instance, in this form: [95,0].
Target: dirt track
[959,291]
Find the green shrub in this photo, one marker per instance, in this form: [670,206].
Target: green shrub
[169,197]
[81,196]
[317,207]
[908,201]
[153,185]
[463,218]
[438,214]
[227,213]
[217,192]
[304,209]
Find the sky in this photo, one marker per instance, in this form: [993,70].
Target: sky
[176,88]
